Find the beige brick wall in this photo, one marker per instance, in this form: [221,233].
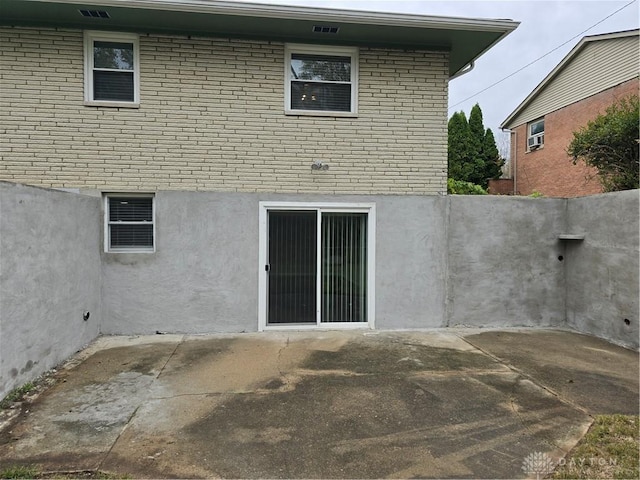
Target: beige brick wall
[211,117]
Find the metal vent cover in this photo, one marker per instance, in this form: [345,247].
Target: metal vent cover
[94,13]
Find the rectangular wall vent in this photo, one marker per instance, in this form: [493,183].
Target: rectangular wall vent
[325,29]
[94,13]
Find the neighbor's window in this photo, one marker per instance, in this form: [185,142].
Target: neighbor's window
[535,138]
[111,69]
[321,80]
[129,223]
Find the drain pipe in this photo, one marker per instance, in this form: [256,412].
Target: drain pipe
[513,154]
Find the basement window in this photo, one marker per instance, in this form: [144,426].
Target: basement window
[129,223]
[321,80]
[112,72]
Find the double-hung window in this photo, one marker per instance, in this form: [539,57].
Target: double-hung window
[112,72]
[129,223]
[321,80]
[535,137]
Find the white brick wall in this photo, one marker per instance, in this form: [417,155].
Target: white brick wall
[211,117]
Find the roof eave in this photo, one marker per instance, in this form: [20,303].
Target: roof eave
[291,12]
[507,123]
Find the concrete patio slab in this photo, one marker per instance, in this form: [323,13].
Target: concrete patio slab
[455,403]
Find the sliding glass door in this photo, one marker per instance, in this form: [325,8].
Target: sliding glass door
[317,266]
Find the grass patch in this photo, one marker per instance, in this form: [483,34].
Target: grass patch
[16,395]
[19,471]
[32,472]
[610,449]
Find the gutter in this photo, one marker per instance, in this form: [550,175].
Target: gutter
[463,71]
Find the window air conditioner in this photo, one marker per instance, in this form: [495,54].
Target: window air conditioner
[535,142]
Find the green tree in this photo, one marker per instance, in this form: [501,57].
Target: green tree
[459,147]
[492,158]
[610,144]
[472,152]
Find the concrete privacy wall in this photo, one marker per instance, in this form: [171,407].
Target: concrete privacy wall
[602,271]
[49,276]
[440,261]
[503,267]
[211,118]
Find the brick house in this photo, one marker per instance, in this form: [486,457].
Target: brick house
[600,70]
[254,161]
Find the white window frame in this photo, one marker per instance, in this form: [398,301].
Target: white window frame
[351,52]
[90,37]
[107,223]
[536,135]
[368,208]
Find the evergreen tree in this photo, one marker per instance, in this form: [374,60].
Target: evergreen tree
[459,141]
[473,155]
[493,161]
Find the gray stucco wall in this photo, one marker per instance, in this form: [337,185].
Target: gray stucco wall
[203,277]
[440,261]
[602,270]
[503,267]
[49,275]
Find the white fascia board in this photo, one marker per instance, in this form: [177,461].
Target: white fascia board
[308,13]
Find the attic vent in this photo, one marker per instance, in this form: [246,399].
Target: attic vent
[325,29]
[94,13]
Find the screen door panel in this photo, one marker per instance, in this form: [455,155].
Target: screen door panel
[344,267]
[292,267]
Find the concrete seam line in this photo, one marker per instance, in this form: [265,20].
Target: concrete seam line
[170,357]
[126,425]
[529,377]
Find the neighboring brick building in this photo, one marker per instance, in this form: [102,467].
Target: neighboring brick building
[215,126]
[600,70]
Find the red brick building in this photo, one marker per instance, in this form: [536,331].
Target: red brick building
[600,70]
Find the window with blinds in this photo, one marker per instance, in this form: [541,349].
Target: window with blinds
[321,79]
[130,223]
[111,67]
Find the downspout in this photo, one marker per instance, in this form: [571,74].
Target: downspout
[515,162]
[513,154]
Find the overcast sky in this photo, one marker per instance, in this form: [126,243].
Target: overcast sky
[544,25]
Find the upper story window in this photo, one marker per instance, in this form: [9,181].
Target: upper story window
[321,80]
[535,137]
[112,73]
[129,223]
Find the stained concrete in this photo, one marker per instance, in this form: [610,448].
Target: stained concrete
[50,276]
[447,404]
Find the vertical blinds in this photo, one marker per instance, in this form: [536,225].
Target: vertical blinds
[292,267]
[294,286]
[344,267]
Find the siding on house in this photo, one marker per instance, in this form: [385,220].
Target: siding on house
[549,170]
[211,118]
[599,66]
